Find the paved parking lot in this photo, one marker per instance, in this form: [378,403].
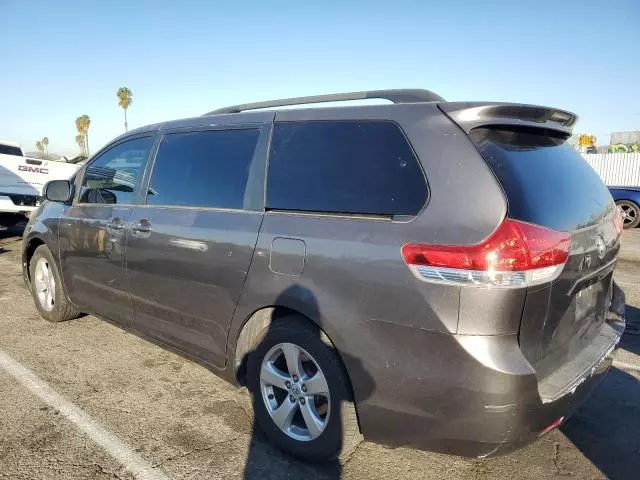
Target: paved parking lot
[85,399]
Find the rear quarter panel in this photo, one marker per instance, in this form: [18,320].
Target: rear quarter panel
[630,194]
[354,283]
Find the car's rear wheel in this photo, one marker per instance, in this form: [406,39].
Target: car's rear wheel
[630,212]
[47,288]
[301,394]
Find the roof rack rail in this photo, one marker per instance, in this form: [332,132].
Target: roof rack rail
[395,96]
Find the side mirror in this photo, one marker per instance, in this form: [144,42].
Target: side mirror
[58,191]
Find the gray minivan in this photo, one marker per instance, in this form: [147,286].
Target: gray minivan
[426,273]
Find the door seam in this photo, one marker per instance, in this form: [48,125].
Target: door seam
[244,283]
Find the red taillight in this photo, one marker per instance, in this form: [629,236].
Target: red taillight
[514,247]
[618,223]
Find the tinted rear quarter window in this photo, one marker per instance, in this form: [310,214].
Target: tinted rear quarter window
[206,169]
[353,167]
[546,181]
[10,150]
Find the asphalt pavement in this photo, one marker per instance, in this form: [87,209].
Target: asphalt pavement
[86,399]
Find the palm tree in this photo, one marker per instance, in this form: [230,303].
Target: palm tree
[80,142]
[40,148]
[80,136]
[125,97]
[45,143]
[86,123]
[82,125]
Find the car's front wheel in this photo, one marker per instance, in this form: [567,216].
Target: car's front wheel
[301,394]
[47,288]
[630,213]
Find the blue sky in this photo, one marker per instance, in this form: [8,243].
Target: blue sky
[182,58]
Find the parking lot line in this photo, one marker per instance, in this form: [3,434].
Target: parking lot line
[111,444]
[626,366]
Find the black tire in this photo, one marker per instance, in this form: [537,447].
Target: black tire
[342,434]
[634,209]
[62,308]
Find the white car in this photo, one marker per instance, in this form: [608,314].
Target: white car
[22,180]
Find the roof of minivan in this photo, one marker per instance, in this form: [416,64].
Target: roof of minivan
[404,95]
[467,114]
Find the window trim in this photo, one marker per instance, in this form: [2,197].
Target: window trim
[137,189]
[361,216]
[349,216]
[259,158]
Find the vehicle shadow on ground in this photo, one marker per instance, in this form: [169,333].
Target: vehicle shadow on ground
[264,461]
[631,339]
[606,429]
[11,233]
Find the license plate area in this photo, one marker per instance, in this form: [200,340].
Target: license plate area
[591,300]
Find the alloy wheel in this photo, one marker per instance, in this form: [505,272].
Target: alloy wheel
[295,391]
[45,284]
[628,214]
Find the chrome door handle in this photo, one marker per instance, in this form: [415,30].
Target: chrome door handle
[143,226]
[116,224]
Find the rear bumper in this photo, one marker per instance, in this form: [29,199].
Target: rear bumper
[477,395]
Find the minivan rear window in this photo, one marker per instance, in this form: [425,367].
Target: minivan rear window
[546,181]
[352,167]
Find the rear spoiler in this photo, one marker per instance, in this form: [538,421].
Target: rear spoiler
[469,115]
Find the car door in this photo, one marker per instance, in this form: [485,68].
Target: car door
[191,243]
[93,229]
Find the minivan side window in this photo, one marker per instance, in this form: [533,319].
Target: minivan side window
[353,167]
[112,177]
[207,169]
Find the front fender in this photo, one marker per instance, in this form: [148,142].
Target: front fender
[42,228]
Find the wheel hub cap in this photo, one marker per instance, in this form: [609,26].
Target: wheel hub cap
[627,213]
[295,392]
[45,284]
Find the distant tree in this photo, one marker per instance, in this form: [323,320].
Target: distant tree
[79,128]
[125,97]
[80,142]
[82,125]
[45,143]
[40,148]
[618,148]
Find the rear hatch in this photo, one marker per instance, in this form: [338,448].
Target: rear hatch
[547,183]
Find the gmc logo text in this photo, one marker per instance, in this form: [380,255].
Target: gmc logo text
[26,168]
